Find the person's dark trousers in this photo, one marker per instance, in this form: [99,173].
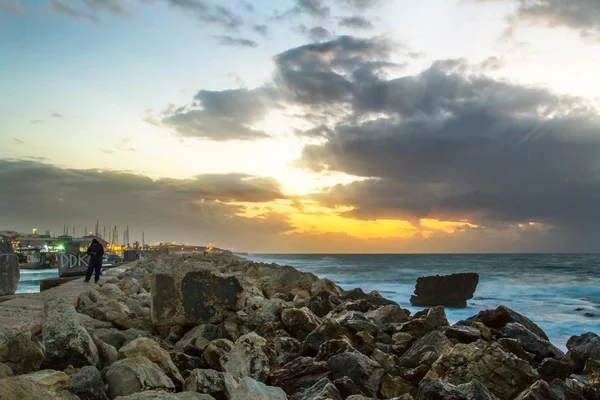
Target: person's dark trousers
[94,266]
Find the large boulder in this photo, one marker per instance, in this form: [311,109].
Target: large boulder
[136,374]
[249,389]
[555,390]
[152,351]
[582,348]
[328,329]
[249,357]
[504,374]
[193,294]
[499,317]
[365,372]
[540,348]
[198,338]
[299,321]
[9,270]
[42,385]
[23,353]
[219,385]
[448,290]
[66,341]
[215,351]
[87,384]
[426,350]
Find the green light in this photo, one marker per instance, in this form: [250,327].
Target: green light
[60,247]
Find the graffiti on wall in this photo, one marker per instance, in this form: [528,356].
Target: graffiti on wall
[72,260]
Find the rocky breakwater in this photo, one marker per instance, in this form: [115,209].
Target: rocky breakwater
[9,270]
[223,328]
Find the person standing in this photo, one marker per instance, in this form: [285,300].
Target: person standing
[95,251]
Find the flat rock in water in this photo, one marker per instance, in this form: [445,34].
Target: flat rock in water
[448,290]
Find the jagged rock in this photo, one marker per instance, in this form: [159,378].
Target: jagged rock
[334,347]
[299,321]
[328,329]
[215,351]
[23,353]
[9,270]
[268,314]
[401,342]
[87,384]
[235,325]
[374,299]
[417,327]
[387,361]
[346,387]
[463,333]
[112,336]
[285,279]
[300,373]
[501,372]
[426,350]
[582,348]
[219,385]
[107,354]
[321,390]
[438,390]
[186,363]
[105,303]
[395,386]
[151,350]
[135,374]
[531,342]
[356,322]
[162,395]
[282,343]
[388,314]
[365,372]
[65,339]
[436,316]
[556,390]
[513,346]
[499,317]
[42,385]
[449,290]
[249,389]
[551,369]
[249,357]
[193,294]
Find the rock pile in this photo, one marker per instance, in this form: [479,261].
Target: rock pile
[222,328]
[449,290]
[9,269]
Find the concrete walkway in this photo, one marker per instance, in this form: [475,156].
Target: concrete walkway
[23,312]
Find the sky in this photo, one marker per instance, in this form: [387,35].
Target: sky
[305,126]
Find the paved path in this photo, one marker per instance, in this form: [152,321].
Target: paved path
[24,311]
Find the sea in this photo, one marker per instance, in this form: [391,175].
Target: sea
[559,292]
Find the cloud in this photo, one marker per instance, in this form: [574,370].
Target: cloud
[18,141]
[315,34]
[235,42]
[224,115]
[199,210]
[66,9]
[57,115]
[313,8]
[262,30]
[12,6]
[361,4]
[580,15]
[208,12]
[36,121]
[356,22]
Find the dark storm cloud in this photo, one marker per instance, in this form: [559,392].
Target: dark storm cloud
[195,210]
[235,42]
[581,15]
[224,115]
[208,12]
[356,22]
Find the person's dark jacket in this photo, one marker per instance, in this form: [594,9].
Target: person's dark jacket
[95,251]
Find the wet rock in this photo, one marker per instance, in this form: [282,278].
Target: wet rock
[249,389]
[462,333]
[193,294]
[135,374]
[328,329]
[395,386]
[346,387]
[499,317]
[321,390]
[299,321]
[449,290]
[300,373]
[219,385]
[9,270]
[66,341]
[551,369]
[437,390]
[23,353]
[365,372]
[215,351]
[530,342]
[426,350]
[334,347]
[87,384]
[582,348]
[249,357]
[151,350]
[502,373]
[46,385]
